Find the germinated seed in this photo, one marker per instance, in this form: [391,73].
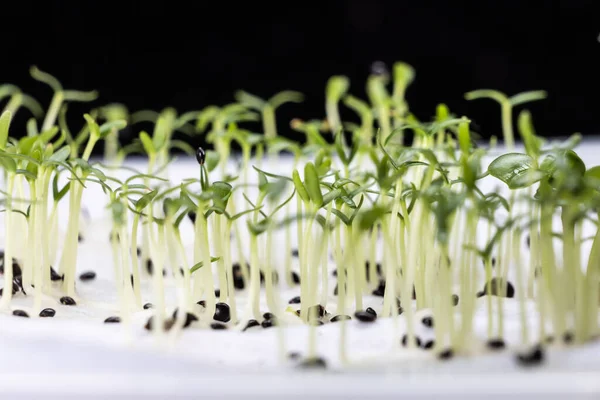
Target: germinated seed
[200,156]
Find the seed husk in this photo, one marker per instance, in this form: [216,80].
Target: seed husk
[268,315]
[295,253]
[405,340]
[147,306]
[295,278]
[268,323]
[294,300]
[189,318]
[493,288]
[446,354]
[67,301]
[112,320]
[87,276]
[496,344]
[531,358]
[427,321]
[340,317]
[364,316]
[20,313]
[380,291]
[317,310]
[370,310]
[48,313]
[54,276]
[251,323]
[313,363]
[218,326]
[428,345]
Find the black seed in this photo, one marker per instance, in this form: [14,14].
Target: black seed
[340,317]
[217,292]
[79,237]
[298,312]
[251,323]
[380,291]
[149,266]
[15,266]
[295,253]
[131,278]
[414,293]
[47,313]
[371,311]
[112,320]
[405,340]
[364,316]
[87,276]
[17,285]
[528,241]
[428,345]
[147,306]
[480,294]
[20,313]
[316,362]
[202,303]
[295,278]
[222,312]
[493,288]
[189,318]
[531,358]
[455,299]
[427,321]
[238,277]
[54,276]
[294,300]
[67,301]
[268,323]
[218,326]
[446,354]
[200,156]
[495,344]
[293,355]
[166,325]
[139,251]
[568,337]
[192,216]
[268,315]
[493,262]
[400,310]
[318,310]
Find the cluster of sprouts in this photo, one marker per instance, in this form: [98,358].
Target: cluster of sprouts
[395,203]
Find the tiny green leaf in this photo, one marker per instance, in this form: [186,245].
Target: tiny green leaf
[300,188]
[147,143]
[199,265]
[515,169]
[311,179]
[145,200]
[4,126]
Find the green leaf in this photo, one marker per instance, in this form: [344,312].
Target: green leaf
[46,78]
[286,96]
[61,155]
[145,200]
[222,193]
[92,125]
[527,97]
[300,188]
[4,127]
[8,163]
[28,174]
[515,169]
[147,143]
[259,227]
[311,179]
[212,159]
[337,86]
[487,94]
[107,127]
[199,265]
[367,218]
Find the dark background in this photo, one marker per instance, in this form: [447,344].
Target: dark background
[190,55]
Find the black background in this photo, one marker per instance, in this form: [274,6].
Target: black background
[190,55]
